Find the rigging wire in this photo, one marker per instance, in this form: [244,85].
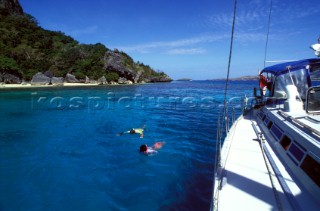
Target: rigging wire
[229,62]
[266,47]
[218,178]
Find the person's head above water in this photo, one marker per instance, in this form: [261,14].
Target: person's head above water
[132,131]
[143,148]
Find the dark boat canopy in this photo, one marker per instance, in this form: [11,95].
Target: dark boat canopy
[282,68]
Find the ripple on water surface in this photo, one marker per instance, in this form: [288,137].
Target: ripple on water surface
[67,159]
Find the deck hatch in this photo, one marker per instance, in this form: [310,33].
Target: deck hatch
[296,152]
[312,168]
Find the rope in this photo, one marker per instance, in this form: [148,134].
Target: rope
[266,47]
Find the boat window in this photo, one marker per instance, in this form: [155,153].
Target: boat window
[300,146]
[264,117]
[313,100]
[296,152]
[279,85]
[285,142]
[315,75]
[269,125]
[312,169]
[299,78]
[276,131]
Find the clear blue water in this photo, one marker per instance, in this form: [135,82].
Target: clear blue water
[59,149]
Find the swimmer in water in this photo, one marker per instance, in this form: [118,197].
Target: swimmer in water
[133,131]
[151,150]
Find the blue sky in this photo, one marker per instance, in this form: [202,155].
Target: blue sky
[188,38]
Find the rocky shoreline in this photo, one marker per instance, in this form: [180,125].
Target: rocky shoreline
[29,85]
[48,80]
[65,84]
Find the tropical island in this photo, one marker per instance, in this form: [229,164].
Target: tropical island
[32,55]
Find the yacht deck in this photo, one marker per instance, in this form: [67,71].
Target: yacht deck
[248,182]
[251,181]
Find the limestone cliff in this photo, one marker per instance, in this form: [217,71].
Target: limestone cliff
[123,65]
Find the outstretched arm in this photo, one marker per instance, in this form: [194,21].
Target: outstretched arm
[158,145]
[120,134]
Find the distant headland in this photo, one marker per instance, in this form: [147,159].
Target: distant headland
[242,78]
[31,55]
[184,79]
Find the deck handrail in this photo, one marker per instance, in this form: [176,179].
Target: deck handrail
[299,123]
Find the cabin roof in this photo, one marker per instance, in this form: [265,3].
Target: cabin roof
[282,68]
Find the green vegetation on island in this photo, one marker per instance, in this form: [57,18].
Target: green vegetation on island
[27,49]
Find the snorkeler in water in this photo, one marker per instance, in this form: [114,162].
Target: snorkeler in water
[134,131]
[151,150]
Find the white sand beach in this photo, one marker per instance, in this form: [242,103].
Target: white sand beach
[29,85]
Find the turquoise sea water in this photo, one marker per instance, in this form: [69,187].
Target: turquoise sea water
[59,149]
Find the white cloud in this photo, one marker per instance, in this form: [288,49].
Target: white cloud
[191,46]
[285,13]
[250,17]
[172,45]
[251,26]
[186,51]
[244,37]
